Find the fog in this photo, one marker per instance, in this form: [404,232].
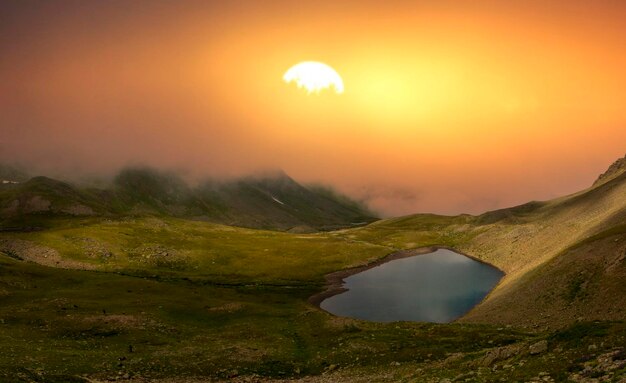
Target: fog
[448,109]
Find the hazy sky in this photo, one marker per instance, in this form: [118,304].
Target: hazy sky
[448,107]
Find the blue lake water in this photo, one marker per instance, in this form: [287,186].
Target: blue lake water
[436,287]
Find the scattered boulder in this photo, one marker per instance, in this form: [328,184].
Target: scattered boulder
[538,348]
[455,357]
[332,367]
[605,367]
[497,354]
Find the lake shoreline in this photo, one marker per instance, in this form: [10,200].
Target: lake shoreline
[335,280]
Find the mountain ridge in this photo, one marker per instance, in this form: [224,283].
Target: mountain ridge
[272,201]
[178,288]
[615,169]
[536,241]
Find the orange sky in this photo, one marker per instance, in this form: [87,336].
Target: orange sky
[448,107]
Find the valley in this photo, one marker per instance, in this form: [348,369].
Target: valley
[147,293]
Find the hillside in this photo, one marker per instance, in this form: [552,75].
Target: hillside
[137,290]
[42,197]
[274,202]
[534,243]
[566,262]
[617,168]
[278,201]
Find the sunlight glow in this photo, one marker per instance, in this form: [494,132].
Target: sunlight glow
[314,77]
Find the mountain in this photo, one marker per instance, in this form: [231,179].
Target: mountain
[149,191]
[12,174]
[42,197]
[163,293]
[565,259]
[274,201]
[278,200]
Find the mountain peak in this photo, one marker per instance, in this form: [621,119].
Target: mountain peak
[269,174]
[618,167]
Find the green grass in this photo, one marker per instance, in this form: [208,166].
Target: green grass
[414,231]
[62,323]
[59,325]
[207,300]
[171,247]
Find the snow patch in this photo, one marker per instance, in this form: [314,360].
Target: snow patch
[277,200]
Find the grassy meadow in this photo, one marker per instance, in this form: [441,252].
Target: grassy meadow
[168,299]
[163,298]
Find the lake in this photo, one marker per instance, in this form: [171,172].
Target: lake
[436,287]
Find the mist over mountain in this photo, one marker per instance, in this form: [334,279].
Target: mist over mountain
[268,201]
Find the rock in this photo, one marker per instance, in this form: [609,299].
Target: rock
[454,357]
[497,354]
[538,348]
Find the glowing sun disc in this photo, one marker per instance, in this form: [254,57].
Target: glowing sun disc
[314,77]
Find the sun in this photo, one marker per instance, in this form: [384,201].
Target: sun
[314,77]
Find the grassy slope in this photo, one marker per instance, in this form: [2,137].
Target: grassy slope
[584,282]
[522,241]
[191,314]
[214,299]
[59,325]
[82,322]
[171,247]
